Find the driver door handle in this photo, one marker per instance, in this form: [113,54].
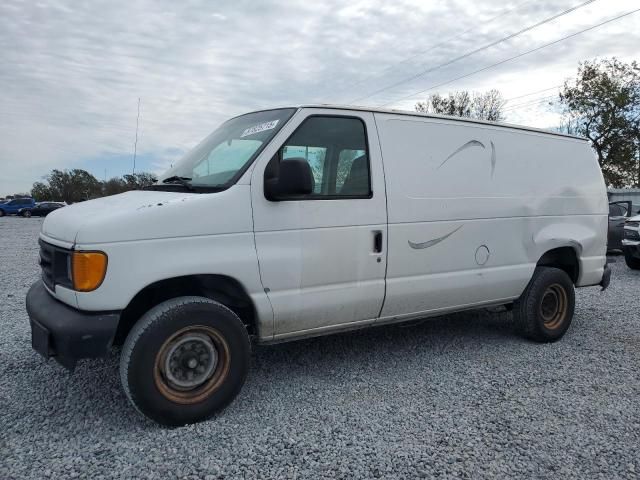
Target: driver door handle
[377,241]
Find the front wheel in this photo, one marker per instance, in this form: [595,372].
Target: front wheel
[26,213]
[185,359]
[544,311]
[2,213]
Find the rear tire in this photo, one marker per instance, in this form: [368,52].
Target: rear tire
[632,262]
[184,360]
[544,311]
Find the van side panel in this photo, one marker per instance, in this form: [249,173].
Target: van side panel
[473,207]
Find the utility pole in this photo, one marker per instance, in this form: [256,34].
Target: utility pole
[135,144]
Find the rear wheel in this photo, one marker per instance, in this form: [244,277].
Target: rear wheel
[544,311]
[184,360]
[631,261]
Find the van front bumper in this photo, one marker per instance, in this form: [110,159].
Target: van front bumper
[65,333]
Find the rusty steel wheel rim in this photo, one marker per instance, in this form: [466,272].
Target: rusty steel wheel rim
[191,364]
[553,307]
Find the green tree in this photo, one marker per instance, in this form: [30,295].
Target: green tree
[138,181]
[113,186]
[481,106]
[70,186]
[78,185]
[603,104]
[41,192]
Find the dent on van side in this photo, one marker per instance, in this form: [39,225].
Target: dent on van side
[295,222]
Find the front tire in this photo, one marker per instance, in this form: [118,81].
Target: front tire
[26,213]
[2,213]
[632,262]
[184,360]
[544,311]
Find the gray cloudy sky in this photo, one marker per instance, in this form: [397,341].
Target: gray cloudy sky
[71,72]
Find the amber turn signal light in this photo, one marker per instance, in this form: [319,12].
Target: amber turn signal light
[88,270]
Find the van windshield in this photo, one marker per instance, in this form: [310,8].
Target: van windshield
[218,161]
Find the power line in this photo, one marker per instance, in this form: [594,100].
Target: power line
[530,102]
[533,93]
[433,47]
[473,52]
[539,104]
[512,58]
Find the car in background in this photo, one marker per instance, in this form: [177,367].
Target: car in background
[631,242]
[12,207]
[41,209]
[618,214]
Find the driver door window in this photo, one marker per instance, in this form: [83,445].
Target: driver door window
[336,150]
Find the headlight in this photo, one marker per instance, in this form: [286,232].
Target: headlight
[88,270]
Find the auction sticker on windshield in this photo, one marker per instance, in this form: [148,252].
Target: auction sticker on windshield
[260,128]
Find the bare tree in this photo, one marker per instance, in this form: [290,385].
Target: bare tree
[482,106]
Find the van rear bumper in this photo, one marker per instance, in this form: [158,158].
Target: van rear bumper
[65,333]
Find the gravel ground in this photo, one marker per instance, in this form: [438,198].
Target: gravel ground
[456,396]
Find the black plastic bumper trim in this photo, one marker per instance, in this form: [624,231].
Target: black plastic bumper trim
[65,333]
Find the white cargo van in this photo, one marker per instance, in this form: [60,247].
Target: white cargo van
[294,222]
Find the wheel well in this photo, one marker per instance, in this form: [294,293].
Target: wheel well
[220,288]
[564,258]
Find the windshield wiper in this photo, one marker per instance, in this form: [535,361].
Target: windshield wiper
[184,181]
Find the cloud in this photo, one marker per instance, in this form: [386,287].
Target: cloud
[72,71]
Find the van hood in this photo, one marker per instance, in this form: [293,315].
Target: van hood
[140,215]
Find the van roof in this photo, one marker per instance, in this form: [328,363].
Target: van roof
[443,117]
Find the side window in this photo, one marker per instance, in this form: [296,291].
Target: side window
[336,150]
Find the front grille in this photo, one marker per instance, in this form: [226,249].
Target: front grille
[54,262]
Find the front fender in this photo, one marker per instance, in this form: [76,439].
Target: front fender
[132,266]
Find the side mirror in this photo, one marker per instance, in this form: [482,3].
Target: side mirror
[294,178]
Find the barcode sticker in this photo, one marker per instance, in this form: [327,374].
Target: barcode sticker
[259,128]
